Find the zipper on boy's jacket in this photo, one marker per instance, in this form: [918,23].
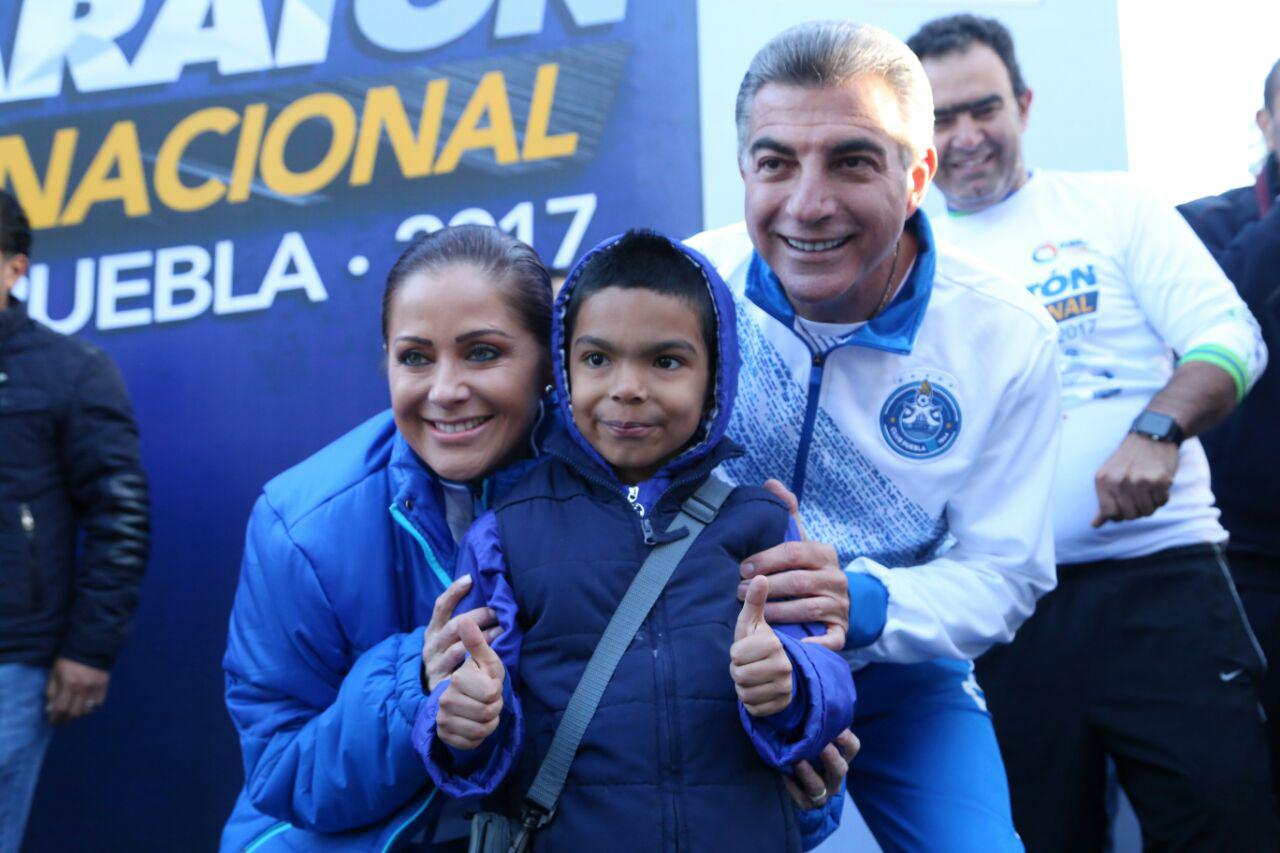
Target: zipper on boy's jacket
[28,521]
[667,688]
[633,498]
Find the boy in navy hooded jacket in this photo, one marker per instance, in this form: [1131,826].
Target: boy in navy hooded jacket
[646,363]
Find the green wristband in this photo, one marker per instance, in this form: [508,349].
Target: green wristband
[1225,359]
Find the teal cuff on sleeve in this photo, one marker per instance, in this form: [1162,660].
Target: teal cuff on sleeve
[1224,358]
[868,610]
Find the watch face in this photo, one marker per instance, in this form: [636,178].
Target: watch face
[1159,426]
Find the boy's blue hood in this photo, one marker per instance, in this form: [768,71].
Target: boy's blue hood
[727,360]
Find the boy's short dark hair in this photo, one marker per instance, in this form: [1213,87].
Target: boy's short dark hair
[956,33]
[647,260]
[15,231]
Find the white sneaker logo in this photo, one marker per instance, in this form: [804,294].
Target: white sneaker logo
[1229,676]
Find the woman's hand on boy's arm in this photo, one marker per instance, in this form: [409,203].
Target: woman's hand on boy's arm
[806,573]
[758,664]
[471,705]
[442,647]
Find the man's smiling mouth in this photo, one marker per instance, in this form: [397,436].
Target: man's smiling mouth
[971,161]
[815,245]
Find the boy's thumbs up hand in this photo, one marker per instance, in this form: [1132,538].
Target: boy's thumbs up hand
[483,657]
[472,703]
[751,617]
[759,666]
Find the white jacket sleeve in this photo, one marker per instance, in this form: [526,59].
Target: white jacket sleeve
[979,591]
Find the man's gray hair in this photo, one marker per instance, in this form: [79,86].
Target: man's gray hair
[831,53]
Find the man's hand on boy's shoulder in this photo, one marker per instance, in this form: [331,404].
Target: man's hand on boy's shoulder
[758,664]
[806,576]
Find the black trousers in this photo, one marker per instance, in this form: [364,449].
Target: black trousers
[1149,661]
[1258,579]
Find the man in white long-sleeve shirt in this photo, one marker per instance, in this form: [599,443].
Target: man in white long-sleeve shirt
[921,453]
[1143,653]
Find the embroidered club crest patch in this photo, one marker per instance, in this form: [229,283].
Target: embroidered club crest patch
[920,420]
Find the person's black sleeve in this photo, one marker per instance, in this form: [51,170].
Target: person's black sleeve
[109,489]
[1215,220]
[1252,261]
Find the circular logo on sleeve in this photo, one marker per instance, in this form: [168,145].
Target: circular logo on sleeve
[920,420]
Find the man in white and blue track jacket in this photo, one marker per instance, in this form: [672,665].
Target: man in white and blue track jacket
[1142,654]
[909,399]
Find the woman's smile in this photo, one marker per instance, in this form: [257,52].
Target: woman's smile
[454,430]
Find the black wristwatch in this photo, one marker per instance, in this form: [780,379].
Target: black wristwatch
[1158,427]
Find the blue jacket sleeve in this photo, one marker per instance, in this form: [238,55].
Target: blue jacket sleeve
[822,704]
[464,773]
[324,734]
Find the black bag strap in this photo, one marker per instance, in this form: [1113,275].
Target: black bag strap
[695,514]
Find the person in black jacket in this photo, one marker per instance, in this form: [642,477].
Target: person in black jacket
[74,529]
[1241,228]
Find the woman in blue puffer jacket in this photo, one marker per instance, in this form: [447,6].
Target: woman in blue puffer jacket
[348,554]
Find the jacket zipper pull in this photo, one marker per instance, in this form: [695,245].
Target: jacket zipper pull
[633,498]
[28,521]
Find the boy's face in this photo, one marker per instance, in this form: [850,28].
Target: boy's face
[638,377]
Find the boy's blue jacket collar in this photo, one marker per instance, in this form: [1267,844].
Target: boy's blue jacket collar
[726,380]
[895,329]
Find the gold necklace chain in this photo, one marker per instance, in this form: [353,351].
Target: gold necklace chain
[888,285]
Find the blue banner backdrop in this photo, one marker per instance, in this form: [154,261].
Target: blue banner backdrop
[219,188]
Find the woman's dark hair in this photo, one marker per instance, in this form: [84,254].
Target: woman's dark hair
[15,231]
[508,261]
